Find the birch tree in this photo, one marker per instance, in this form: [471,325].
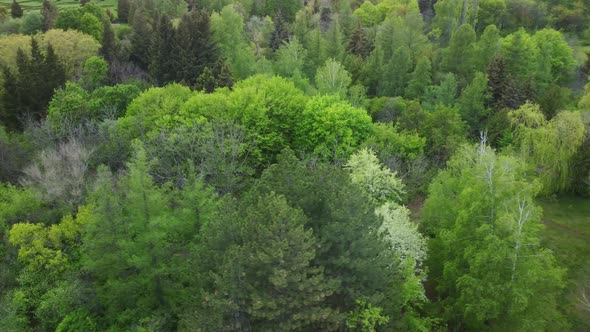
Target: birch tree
[490,270]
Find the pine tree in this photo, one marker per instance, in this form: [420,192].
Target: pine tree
[473,101]
[194,48]
[15,10]
[223,75]
[28,91]
[9,115]
[335,42]
[280,34]
[49,12]
[421,79]
[505,90]
[268,271]
[161,65]
[395,74]
[358,43]
[123,7]
[107,49]
[54,73]
[140,39]
[206,81]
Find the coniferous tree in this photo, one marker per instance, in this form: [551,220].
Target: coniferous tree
[108,47]
[161,52]
[206,81]
[335,42]
[268,279]
[280,33]
[395,74]
[223,75]
[140,39]
[123,7]
[505,90]
[359,43]
[194,48]
[15,10]
[473,101]
[49,12]
[421,79]
[28,91]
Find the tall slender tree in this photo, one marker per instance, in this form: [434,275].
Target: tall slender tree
[15,10]
[49,12]
[194,48]
[123,8]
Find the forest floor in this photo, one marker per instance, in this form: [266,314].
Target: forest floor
[567,233]
[29,5]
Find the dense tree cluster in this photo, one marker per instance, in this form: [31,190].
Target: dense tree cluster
[261,165]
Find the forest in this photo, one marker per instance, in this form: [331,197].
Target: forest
[294,165]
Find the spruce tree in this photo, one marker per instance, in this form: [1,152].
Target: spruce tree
[49,12]
[421,79]
[9,115]
[161,52]
[505,90]
[358,43]
[224,75]
[194,48]
[140,39]
[107,49]
[206,81]
[280,33]
[268,271]
[335,42]
[28,91]
[15,10]
[123,7]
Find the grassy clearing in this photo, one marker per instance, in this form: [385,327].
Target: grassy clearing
[30,5]
[567,233]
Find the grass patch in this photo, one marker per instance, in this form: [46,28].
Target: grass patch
[567,233]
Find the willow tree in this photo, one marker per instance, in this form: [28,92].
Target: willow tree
[548,146]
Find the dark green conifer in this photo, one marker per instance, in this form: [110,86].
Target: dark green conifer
[123,7]
[15,10]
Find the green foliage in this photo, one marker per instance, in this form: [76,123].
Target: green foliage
[365,317]
[73,106]
[94,74]
[76,321]
[26,93]
[378,182]
[421,79]
[228,31]
[143,231]
[444,131]
[459,56]
[331,128]
[267,272]
[548,146]
[473,103]
[87,19]
[486,258]
[333,79]
[156,109]
[32,23]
